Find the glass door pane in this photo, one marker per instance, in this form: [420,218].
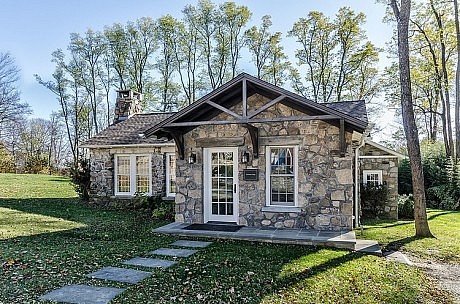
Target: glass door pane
[222,183]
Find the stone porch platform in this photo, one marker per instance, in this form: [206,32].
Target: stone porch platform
[336,239]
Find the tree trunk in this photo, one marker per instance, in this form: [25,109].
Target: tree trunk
[402,15]
[457,86]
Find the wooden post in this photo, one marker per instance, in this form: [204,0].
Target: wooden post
[245,96]
[343,145]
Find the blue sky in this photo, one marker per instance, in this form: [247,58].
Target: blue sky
[32,29]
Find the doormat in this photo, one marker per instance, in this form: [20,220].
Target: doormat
[213,227]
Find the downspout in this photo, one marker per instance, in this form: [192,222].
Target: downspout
[356,208]
[362,142]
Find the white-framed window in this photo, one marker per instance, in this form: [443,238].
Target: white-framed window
[170,174]
[372,177]
[281,176]
[133,174]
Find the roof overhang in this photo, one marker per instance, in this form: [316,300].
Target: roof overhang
[392,153]
[166,144]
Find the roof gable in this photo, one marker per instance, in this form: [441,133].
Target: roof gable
[243,86]
[128,132]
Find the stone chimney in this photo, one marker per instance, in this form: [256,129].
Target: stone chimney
[127,104]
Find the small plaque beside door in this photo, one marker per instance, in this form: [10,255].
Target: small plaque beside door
[251,174]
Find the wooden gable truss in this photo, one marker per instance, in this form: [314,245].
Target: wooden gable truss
[202,112]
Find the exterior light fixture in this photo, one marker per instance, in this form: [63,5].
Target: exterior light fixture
[245,157]
[192,158]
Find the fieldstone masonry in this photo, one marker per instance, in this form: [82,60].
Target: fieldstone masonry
[325,182]
[389,168]
[102,164]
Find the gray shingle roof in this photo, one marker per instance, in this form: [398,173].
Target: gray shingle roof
[127,132]
[356,109]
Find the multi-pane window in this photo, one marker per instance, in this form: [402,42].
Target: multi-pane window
[372,177]
[222,183]
[170,174]
[132,174]
[281,176]
[123,174]
[142,174]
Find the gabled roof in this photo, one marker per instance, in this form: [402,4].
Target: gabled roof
[356,109]
[384,149]
[128,132]
[231,93]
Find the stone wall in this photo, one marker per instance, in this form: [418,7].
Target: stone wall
[389,167]
[325,182]
[102,188]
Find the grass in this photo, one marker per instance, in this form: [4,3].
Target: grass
[395,235]
[225,272]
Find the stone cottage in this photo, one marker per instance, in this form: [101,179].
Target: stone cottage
[248,153]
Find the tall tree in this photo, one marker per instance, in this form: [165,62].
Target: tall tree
[401,12]
[457,84]
[87,51]
[267,52]
[116,38]
[11,107]
[186,51]
[166,64]
[277,62]
[205,20]
[335,57]
[258,42]
[445,77]
[315,35]
[141,44]
[234,18]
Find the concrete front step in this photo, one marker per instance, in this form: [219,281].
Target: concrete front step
[368,246]
[335,239]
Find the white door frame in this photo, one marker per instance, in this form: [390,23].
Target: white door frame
[207,152]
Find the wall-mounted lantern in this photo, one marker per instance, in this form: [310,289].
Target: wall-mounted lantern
[192,158]
[245,157]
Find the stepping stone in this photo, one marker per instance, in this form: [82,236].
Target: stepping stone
[183,253]
[120,275]
[83,294]
[192,244]
[152,263]
[368,246]
[399,257]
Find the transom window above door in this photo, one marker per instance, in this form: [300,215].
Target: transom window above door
[281,176]
[132,174]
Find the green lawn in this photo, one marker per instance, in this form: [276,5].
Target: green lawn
[445,225]
[88,239]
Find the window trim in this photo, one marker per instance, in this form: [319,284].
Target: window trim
[132,174]
[268,173]
[367,172]
[168,175]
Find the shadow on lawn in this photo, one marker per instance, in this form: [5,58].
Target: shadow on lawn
[317,269]
[441,212]
[72,209]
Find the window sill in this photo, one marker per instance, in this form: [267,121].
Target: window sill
[123,196]
[168,198]
[281,209]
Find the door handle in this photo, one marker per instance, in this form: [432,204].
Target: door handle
[234,188]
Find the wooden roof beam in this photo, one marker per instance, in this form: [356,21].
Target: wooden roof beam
[223,109]
[267,105]
[250,120]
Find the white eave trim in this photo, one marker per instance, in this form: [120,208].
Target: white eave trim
[166,144]
[378,156]
[393,154]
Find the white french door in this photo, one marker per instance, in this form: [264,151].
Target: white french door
[221,184]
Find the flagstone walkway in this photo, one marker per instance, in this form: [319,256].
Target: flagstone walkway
[86,294]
